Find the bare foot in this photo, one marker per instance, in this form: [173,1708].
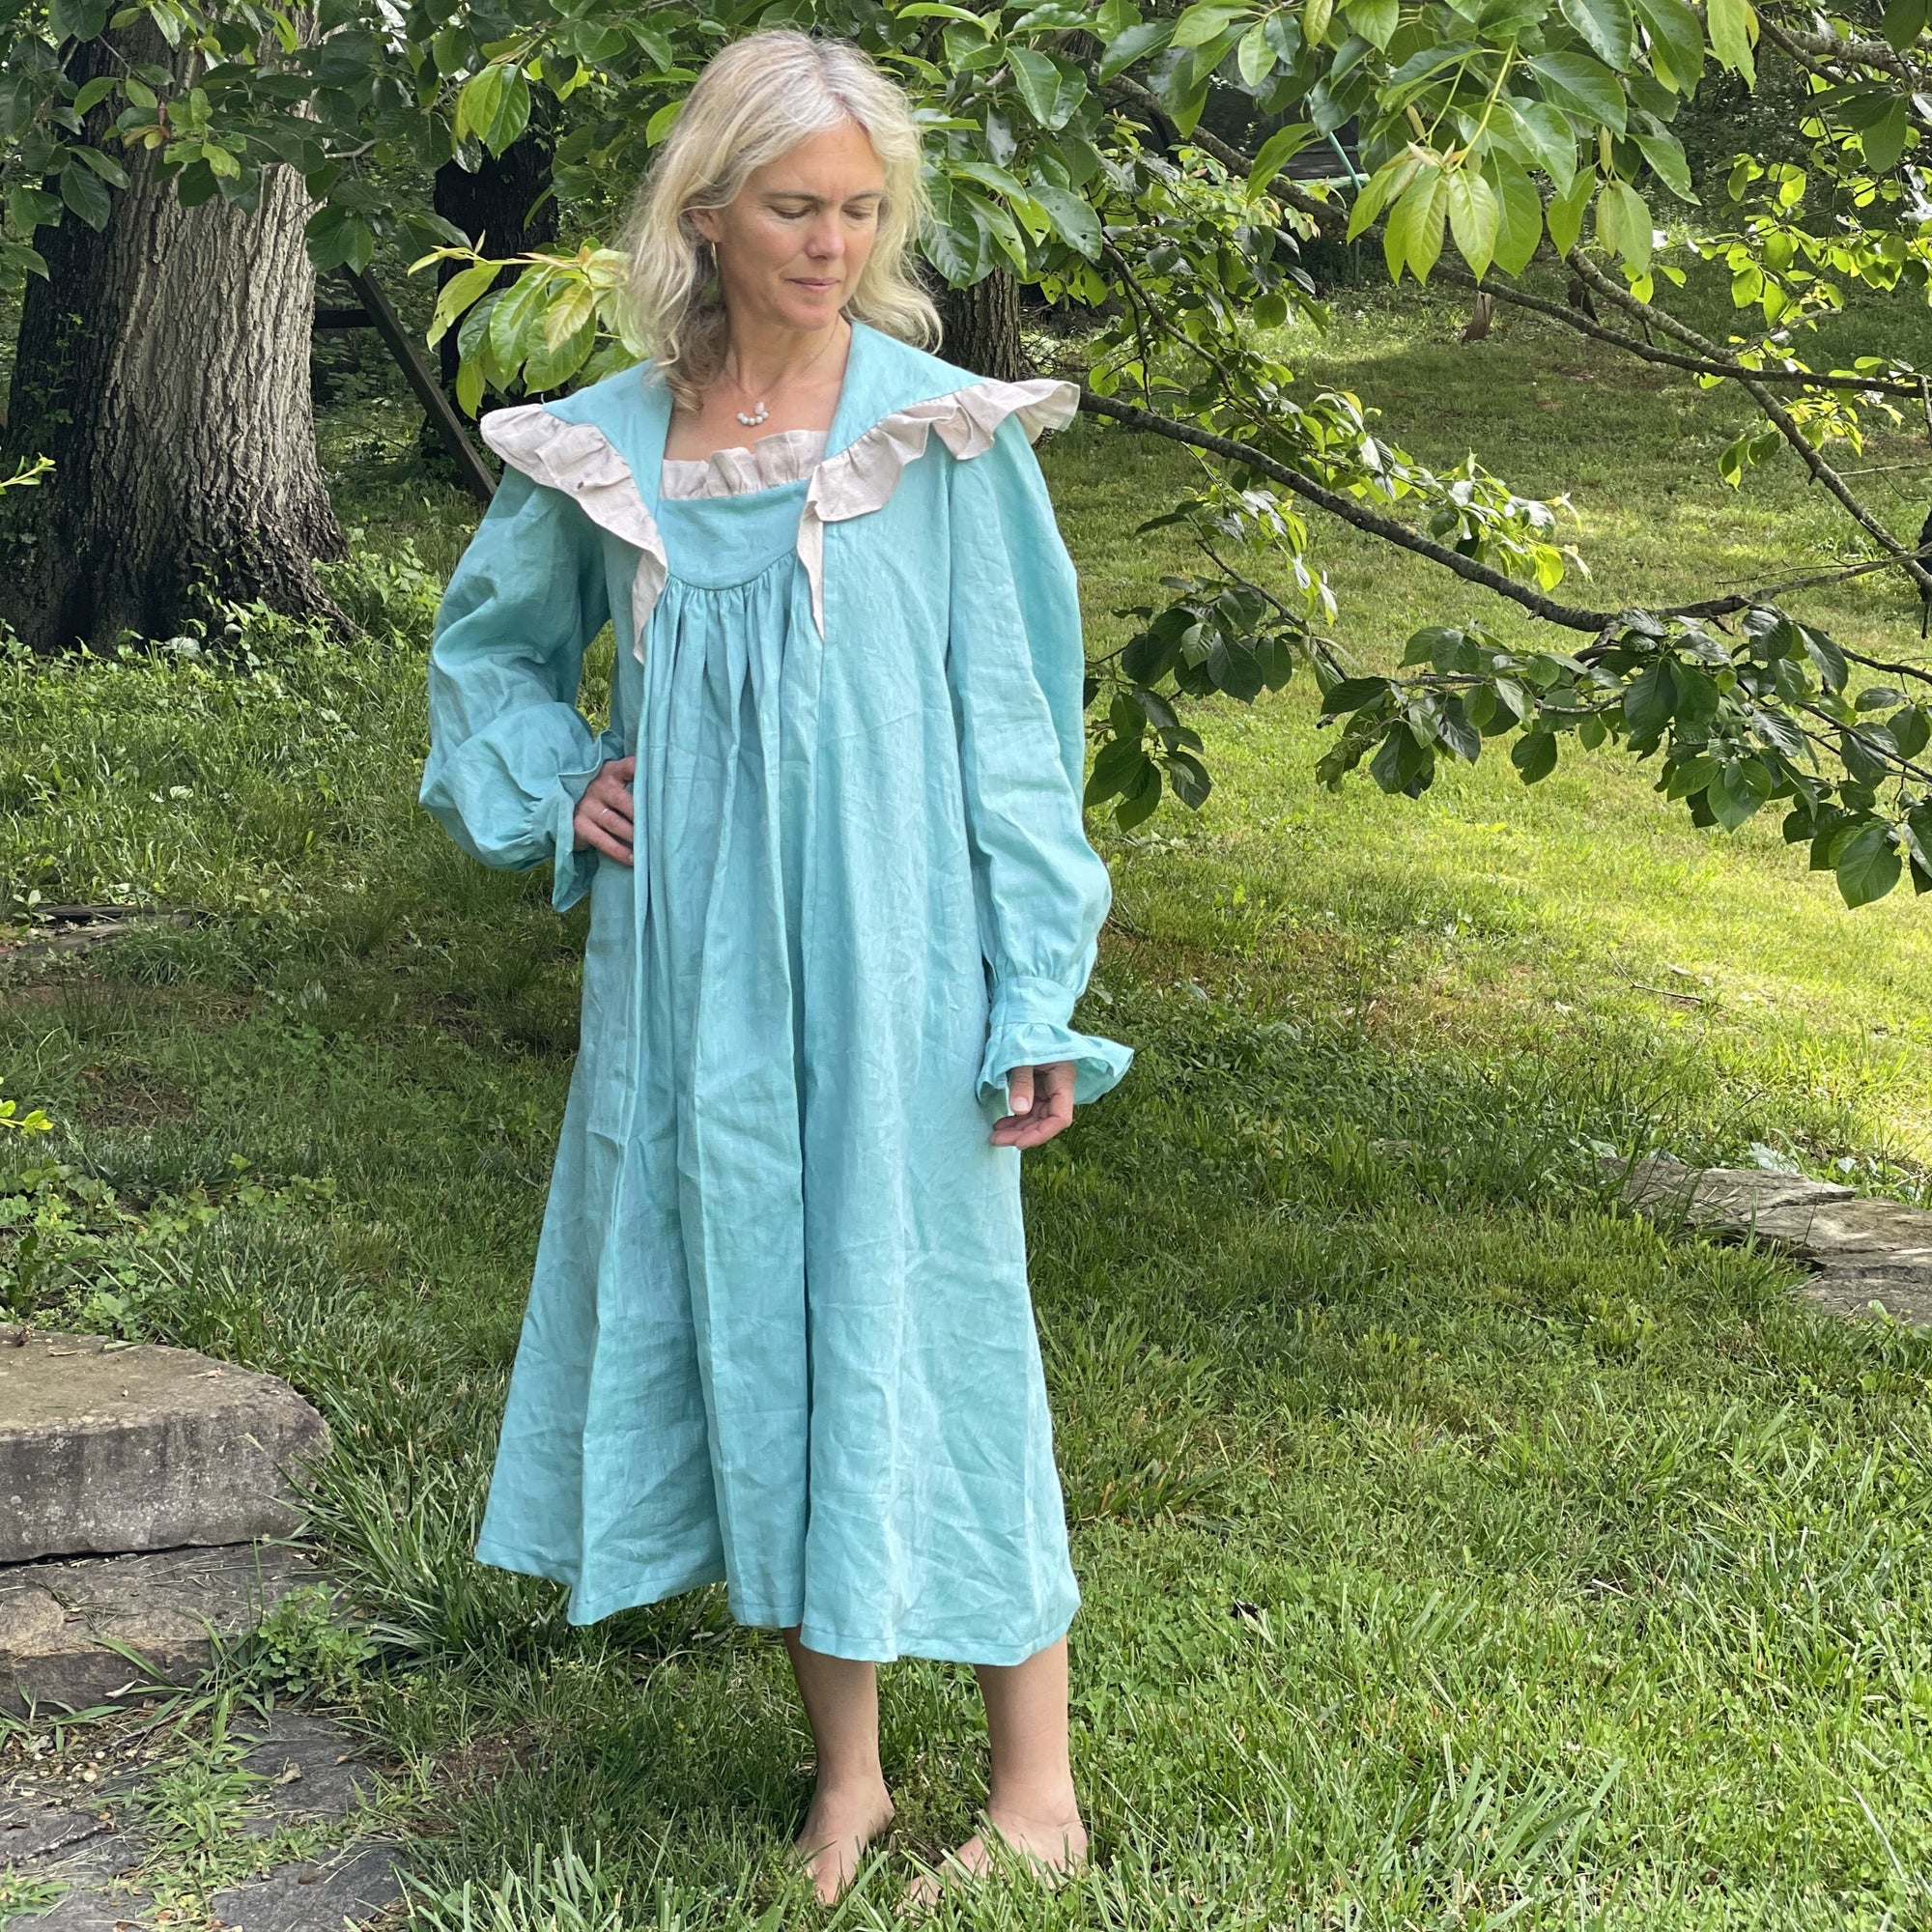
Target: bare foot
[1052,1847]
[832,1842]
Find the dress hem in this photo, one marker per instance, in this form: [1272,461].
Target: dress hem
[815,1636]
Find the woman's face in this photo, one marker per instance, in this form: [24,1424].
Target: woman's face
[791,246]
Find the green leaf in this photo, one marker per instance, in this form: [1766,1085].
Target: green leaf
[1137,42]
[512,112]
[1276,152]
[1623,223]
[1390,179]
[86,194]
[1376,20]
[1254,55]
[1567,210]
[1885,141]
[477,103]
[1051,90]
[1519,214]
[1665,155]
[1415,233]
[467,286]
[1401,765]
[663,122]
[1534,756]
[1073,219]
[1676,44]
[1207,20]
[31,207]
[1607,26]
[1904,21]
[1733,26]
[1352,693]
[1584,86]
[80,20]
[94,92]
[1826,657]
[1552,141]
[1868,866]
[110,170]
[1739,789]
[1650,700]
[1473,218]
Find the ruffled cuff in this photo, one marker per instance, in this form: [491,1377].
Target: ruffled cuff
[1030,1026]
[1097,1062]
[571,869]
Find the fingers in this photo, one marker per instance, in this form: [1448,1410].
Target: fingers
[613,794]
[605,819]
[1042,1103]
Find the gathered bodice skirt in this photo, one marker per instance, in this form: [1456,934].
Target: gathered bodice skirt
[780,1333]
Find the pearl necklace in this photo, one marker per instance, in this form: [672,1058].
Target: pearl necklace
[762,408]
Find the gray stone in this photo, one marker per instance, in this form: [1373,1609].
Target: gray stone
[1870,1256]
[311,1765]
[110,1447]
[358,1883]
[1904,1293]
[160,1603]
[46,1831]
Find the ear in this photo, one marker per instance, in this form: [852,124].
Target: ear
[706,221]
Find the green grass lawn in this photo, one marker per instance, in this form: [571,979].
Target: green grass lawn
[1456,1551]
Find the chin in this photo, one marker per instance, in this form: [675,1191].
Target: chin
[819,312]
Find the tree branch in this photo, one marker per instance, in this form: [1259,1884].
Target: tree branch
[1745,379]
[1648,351]
[1570,616]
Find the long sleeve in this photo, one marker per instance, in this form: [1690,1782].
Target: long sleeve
[510,755]
[1015,664]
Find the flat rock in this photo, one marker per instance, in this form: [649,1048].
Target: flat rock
[313,1765]
[1871,1256]
[358,1883]
[107,1447]
[313,1770]
[161,1604]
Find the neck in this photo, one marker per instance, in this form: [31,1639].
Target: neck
[761,355]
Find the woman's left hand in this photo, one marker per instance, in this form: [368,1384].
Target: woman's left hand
[1042,1102]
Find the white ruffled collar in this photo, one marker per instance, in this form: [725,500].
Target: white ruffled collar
[580,459]
[768,461]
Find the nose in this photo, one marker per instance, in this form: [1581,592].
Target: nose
[825,242]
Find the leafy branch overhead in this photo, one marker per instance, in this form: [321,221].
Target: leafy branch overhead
[1068,146]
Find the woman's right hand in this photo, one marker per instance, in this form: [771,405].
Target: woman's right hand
[604,820]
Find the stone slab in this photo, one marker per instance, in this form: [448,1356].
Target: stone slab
[313,1765]
[1871,1255]
[356,1884]
[110,1447]
[314,1771]
[160,1603]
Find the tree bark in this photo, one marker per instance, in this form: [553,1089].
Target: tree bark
[164,365]
[983,327]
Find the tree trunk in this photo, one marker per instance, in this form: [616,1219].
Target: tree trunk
[983,327]
[164,365]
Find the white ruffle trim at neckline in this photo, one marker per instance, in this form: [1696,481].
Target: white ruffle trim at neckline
[782,456]
[579,460]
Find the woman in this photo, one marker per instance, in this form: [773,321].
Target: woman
[842,908]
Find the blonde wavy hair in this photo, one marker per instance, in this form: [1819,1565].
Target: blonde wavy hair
[755,99]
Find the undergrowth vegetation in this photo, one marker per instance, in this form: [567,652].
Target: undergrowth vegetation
[1457,1548]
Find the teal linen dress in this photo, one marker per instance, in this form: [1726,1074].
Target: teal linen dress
[779,1332]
